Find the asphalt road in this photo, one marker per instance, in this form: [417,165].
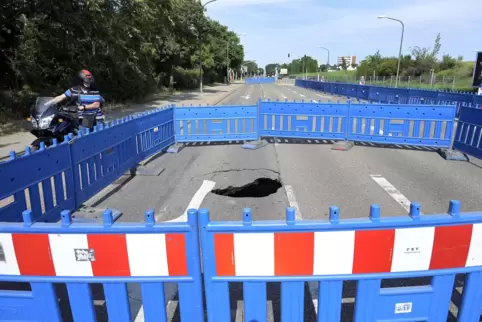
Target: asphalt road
[315,176]
[319,176]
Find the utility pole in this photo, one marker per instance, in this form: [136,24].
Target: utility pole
[401,45]
[227,62]
[201,51]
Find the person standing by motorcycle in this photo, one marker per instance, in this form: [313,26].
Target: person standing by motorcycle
[89,101]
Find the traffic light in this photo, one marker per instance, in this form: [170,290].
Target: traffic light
[477,77]
[288,55]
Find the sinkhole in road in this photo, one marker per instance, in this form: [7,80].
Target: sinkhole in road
[259,188]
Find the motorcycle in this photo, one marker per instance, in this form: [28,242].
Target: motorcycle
[54,121]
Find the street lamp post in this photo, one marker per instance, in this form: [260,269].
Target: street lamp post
[401,45]
[201,51]
[328,63]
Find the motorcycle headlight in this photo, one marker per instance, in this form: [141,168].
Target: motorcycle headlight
[45,122]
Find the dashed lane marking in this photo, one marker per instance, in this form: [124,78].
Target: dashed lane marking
[392,191]
[298,216]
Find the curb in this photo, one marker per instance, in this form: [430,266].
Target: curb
[227,95]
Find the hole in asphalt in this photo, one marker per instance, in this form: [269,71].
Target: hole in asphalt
[259,188]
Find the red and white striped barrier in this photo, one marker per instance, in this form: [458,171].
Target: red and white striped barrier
[93,254]
[348,252]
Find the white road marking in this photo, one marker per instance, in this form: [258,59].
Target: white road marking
[298,216]
[170,290]
[295,92]
[324,96]
[302,95]
[196,200]
[392,191]
[293,203]
[246,97]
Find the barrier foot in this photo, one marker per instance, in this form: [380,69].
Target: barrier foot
[253,145]
[342,145]
[175,148]
[93,215]
[452,155]
[150,169]
[148,166]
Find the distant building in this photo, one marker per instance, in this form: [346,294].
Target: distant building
[350,60]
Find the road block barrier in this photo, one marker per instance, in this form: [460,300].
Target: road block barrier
[216,123]
[329,253]
[260,80]
[394,95]
[66,175]
[468,137]
[419,125]
[374,252]
[113,255]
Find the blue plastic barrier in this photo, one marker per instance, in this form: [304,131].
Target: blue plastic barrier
[303,120]
[420,125]
[329,253]
[112,254]
[393,95]
[102,157]
[43,180]
[223,123]
[95,160]
[65,175]
[155,132]
[260,80]
[468,135]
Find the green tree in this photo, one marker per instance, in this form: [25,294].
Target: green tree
[271,68]
[132,47]
[344,65]
[252,67]
[447,62]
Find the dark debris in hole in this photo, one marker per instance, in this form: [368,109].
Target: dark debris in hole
[259,188]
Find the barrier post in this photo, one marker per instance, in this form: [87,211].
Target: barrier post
[345,145]
[471,304]
[258,143]
[451,154]
[217,293]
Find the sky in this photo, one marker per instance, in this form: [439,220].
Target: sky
[275,28]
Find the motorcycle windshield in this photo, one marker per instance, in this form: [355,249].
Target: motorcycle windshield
[40,109]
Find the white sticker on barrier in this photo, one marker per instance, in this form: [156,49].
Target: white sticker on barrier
[156,129]
[403,307]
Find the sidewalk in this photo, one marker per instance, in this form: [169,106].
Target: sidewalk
[212,95]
